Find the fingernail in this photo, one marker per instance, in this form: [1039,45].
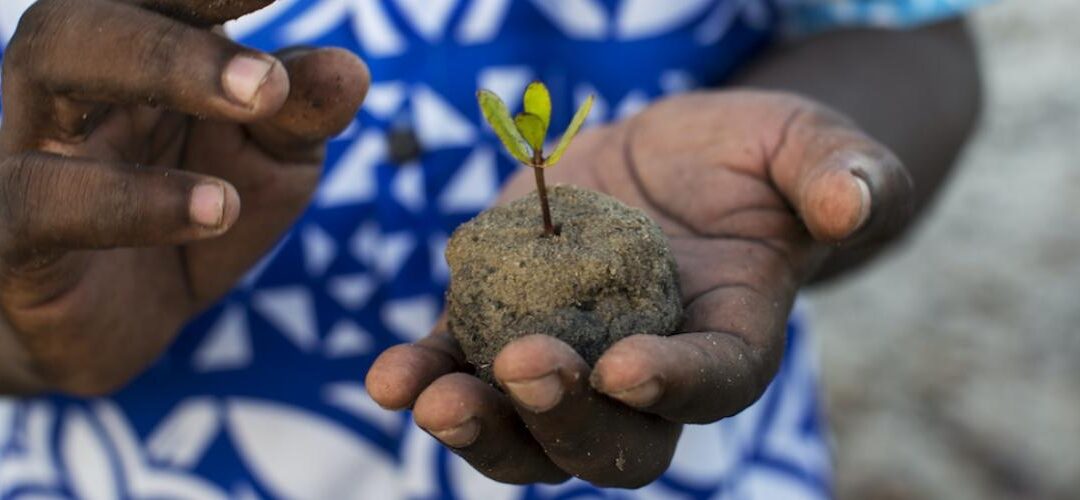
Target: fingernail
[207,205]
[539,394]
[865,202]
[460,436]
[642,395]
[245,76]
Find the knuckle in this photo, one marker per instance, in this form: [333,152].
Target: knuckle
[19,180]
[157,53]
[122,204]
[37,30]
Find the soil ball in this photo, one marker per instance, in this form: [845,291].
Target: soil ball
[608,274]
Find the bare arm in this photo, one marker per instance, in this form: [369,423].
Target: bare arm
[754,189]
[918,92]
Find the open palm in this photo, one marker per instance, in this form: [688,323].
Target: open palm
[752,189]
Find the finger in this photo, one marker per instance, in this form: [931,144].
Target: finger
[584,433]
[701,377]
[95,50]
[401,373]
[327,87]
[840,181]
[203,12]
[51,203]
[479,424]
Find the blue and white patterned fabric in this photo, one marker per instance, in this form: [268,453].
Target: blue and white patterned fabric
[262,396]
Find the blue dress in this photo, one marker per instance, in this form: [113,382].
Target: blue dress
[263,395]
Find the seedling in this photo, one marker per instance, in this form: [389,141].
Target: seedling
[611,275]
[524,135]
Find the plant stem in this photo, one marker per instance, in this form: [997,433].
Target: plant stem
[541,189]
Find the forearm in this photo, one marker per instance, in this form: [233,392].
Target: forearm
[918,92]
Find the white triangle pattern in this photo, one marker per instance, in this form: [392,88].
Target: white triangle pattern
[375,30]
[320,249]
[292,311]
[474,186]
[227,344]
[481,23]
[384,254]
[428,17]
[384,99]
[352,291]
[438,124]
[353,178]
[346,339]
[408,187]
[411,319]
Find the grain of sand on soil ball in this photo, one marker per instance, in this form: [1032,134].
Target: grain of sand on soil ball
[609,274]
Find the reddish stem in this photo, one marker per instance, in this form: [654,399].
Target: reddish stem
[541,189]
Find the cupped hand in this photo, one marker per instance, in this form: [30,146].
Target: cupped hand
[753,189]
[132,133]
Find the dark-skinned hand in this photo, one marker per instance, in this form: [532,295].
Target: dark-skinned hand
[132,133]
[753,189]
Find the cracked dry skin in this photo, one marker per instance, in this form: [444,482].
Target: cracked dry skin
[609,274]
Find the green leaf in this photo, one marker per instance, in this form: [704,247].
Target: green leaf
[538,102]
[498,116]
[571,131]
[532,128]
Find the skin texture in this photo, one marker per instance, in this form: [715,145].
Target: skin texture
[918,92]
[760,193]
[108,244]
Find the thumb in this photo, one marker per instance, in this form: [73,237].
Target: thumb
[845,186]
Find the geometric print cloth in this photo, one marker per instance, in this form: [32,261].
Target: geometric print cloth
[263,397]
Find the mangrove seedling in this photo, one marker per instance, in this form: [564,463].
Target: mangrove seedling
[524,135]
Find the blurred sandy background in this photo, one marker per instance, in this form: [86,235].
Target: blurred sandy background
[953,366]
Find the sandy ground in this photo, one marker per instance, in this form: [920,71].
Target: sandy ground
[953,366]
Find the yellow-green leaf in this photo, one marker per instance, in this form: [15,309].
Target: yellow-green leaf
[571,131]
[496,114]
[538,102]
[532,128]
